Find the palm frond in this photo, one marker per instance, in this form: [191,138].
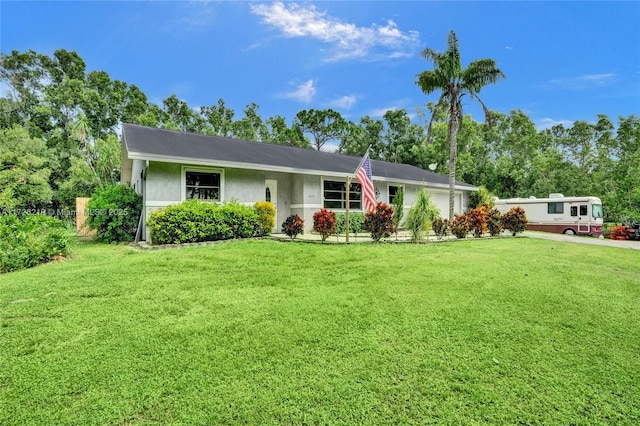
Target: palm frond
[480,73]
[441,105]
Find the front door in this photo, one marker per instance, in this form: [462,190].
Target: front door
[271,195]
[583,218]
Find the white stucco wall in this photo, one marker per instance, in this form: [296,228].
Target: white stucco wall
[296,193]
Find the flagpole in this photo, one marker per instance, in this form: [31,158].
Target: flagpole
[361,161]
[347,213]
[348,183]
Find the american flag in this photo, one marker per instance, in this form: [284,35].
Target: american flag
[364,176]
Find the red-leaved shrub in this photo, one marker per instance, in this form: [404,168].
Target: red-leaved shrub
[379,222]
[324,223]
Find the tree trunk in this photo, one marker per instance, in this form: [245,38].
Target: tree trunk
[453,148]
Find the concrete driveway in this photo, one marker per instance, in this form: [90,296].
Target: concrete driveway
[629,244]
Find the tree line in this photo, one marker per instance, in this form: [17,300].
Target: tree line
[59,125]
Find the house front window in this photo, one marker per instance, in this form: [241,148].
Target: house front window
[335,195]
[202,185]
[393,191]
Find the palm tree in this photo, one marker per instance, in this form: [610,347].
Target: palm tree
[455,82]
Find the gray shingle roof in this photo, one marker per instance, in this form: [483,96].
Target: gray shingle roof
[158,144]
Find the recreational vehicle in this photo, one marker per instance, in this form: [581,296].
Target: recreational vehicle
[560,214]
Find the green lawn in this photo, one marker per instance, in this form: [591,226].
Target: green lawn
[505,331]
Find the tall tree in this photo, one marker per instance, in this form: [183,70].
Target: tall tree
[323,124]
[454,81]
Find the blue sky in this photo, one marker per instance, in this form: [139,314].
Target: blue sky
[564,61]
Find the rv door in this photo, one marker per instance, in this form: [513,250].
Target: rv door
[584,219]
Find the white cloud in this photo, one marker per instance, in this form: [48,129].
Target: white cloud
[585,81]
[379,112]
[303,93]
[345,102]
[347,40]
[547,123]
[196,15]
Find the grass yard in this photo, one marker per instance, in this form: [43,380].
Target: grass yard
[509,331]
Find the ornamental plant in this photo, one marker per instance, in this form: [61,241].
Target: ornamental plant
[266,217]
[440,227]
[188,222]
[422,212]
[379,222]
[293,225]
[461,225]
[241,219]
[398,210]
[494,224]
[356,221]
[324,223]
[515,220]
[479,218]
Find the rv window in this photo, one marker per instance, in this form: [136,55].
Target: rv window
[583,210]
[596,210]
[574,210]
[555,208]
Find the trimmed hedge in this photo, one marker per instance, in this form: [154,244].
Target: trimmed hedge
[30,240]
[356,223]
[194,221]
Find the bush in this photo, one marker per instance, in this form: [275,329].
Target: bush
[479,218]
[114,211]
[480,197]
[440,227]
[398,210]
[266,217]
[194,221]
[356,222]
[515,220]
[422,212]
[494,223]
[461,225]
[30,240]
[324,222]
[293,225]
[379,222]
[242,220]
[188,222]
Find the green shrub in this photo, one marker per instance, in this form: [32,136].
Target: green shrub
[421,213]
[480,197]
[241,219]
[440,227]
[266,217]
[188,222]
[114,211]
[515,220]
[379,222]
[324,222]
[194,221]
[30,240]
[293,225]
[398,210]
[356,221]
